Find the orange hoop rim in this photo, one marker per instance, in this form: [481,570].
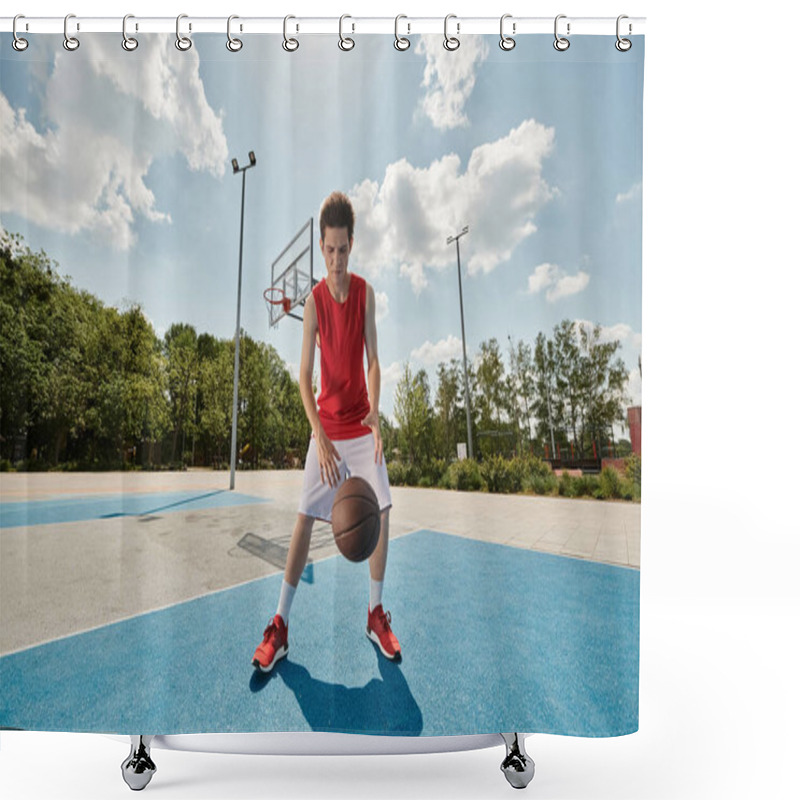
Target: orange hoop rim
[281,299]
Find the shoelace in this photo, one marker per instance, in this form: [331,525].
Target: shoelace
[384,618]
[271,631]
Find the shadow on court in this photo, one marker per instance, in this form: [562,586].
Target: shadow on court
[167,507]
[382,706]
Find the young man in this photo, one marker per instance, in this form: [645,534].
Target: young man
[339,317]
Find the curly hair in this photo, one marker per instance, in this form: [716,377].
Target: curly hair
[337,212]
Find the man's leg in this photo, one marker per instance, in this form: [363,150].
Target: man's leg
[377,561]
[298,549]
[275,644]
[378,627]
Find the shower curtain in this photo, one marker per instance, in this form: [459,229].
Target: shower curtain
[470,344]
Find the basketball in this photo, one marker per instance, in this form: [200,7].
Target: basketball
[356,519]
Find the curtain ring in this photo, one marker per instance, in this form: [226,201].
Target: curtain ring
[506,42]
[289,45]
[19,43]
[400,42]
[345,43]
[561,43]
[70,42]
[128,42]
[450,42]
[233,44]
[623,45]
[181,42]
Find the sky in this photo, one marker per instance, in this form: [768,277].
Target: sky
[118,165]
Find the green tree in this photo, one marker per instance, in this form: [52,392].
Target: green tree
[412,410]
[493,401]
[604,381]
[548,404]
[580,387]
[522,390]
[216,386]
[448,408]
[182,358]
[27,285]
[273,419]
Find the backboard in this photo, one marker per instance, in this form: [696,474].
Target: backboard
[293,273]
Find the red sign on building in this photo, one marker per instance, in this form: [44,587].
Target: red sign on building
[635,424]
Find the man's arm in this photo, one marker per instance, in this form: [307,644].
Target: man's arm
[326,452]
[372,420]
[307,364]
[371,339]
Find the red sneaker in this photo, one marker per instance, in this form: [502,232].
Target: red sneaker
[379,631]
[275,645]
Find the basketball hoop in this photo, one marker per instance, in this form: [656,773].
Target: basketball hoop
[277,297]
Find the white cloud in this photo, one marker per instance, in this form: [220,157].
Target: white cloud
[85,169]
[634,192]
[543,276]
[390,376]
[449,78]
[620,331]
[623,333]
[431,353]
[556,281]
[405,220]
[381,306]
[634,388]
[568,285]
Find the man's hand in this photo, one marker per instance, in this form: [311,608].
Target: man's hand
[327,455]
[372,421]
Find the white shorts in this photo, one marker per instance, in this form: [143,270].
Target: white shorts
[358,461]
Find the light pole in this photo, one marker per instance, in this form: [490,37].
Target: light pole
[243,170]
[455,239]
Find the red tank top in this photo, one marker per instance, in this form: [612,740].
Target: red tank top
[343,400]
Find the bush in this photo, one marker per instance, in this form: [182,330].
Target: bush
[610,483]
[535,475]
[433,471]
[587,486]
[542,484]
[566,485]
[401,474]
[633,469]
[33,465]
[631,491]
[5,465]
[464,476]
[500,475]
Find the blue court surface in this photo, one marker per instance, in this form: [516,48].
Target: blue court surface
[494,638]
[110,506]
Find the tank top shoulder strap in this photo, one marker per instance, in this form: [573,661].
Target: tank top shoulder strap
[360,286]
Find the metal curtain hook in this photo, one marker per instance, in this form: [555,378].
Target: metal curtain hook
[289,45]
[451,42]
[623,45]
[345,43]
[128,42]
[19,43]
[506,42]
[70,42]
[400,42]
[234,45]
[561,43]
[181,42]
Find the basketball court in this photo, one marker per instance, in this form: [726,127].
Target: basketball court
[132,602]
[95,566]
